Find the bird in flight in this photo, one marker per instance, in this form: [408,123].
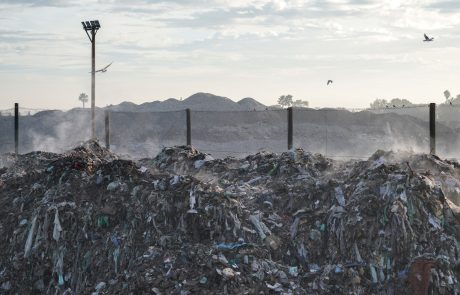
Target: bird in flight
[329,82]
[104,69]
[427,39]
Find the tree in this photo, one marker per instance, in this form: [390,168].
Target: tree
[447,94]
[379,103]
[285,100]
[83,98]
[300,103]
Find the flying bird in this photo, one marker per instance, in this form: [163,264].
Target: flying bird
[104,69]
[329,82]
[427,39]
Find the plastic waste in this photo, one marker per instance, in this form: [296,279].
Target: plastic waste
[30,237]
[57,226]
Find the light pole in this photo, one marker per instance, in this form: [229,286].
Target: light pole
[92,26]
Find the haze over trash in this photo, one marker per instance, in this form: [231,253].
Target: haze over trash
[225,128]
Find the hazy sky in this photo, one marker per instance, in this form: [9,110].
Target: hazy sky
[234,48]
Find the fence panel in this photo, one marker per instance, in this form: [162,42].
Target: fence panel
[53,130]
[239,133]
[310,130]
[144,134]
[339,133]
[7,131]
[448,131]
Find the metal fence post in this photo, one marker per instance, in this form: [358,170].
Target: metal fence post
[107,129]
[290,128]
[16,128]
[189,127]
[432,128]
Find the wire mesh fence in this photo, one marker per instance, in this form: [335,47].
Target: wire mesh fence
[448,131]
[46,130]
[6,133]
[239,133]
[336,133]
[343,134]
[144,134]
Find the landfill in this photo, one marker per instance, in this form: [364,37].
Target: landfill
[88,221]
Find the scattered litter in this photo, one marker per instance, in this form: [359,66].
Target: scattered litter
[88,222]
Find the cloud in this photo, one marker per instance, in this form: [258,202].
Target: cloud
[446,6]
[22,37]
[38,3]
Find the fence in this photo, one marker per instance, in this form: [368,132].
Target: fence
[336,133]
[447,130]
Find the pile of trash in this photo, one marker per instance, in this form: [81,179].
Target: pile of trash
[89,222]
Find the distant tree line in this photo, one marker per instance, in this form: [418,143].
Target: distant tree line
[395,102]
[398,103]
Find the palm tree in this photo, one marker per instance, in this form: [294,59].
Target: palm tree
[83,98]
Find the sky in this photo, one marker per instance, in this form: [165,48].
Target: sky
[233,48]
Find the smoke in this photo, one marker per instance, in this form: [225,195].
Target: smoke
[54,131]
[64,136]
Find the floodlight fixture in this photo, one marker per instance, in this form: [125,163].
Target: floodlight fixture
[91,25]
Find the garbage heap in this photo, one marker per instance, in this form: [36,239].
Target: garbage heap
[88,222]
